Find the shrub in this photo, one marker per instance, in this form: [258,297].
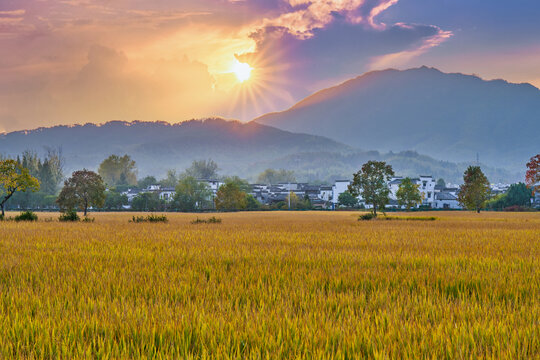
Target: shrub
[150,218]
[70,215]
[88,220]
[365,217]
[212,220]
[26,216]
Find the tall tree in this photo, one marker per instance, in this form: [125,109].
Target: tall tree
[518,194]
[118,170]
[272,176]
[14,177]
[532,178]
[371,182]
[475,190]
[192,194]
[202,169]
[82,190]
[231,197]
[409,194]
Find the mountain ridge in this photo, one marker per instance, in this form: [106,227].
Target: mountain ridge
[243,149]
[451,116]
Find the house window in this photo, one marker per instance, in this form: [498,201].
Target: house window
[424,183]
[429,195]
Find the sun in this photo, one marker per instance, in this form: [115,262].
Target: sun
[242,71]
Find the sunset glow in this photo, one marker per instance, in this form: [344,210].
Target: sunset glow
[93,61]
[242,71]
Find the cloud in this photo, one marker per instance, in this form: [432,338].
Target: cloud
[109,86]
[339,50]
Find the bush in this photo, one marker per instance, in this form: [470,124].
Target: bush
[366,217]
[150,218]
[26,216]
[88,220]
[70,215]
[212,220]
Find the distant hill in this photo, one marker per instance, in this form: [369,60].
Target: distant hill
[448,116]
[243,149]
[158,146]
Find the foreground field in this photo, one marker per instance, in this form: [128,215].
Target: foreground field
[272,285]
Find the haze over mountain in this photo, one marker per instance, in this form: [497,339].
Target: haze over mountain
[243,149]
[448,116]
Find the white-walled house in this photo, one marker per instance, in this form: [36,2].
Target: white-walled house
[446,200]
[340,186]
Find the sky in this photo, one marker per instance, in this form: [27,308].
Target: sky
[78,61]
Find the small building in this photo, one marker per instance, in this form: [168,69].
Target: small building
[446,200]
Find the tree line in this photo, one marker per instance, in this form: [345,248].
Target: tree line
[31,182]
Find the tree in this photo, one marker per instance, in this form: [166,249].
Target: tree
[115,200]
[192,194]
[475,190]
[441,183]
[252,203]
[292,200]
[409,194]
[271,176]
[230,197]
[146,182]
[532,178]
[82,190]
[147,201]
[518,194]
[118,170]
[371,182]
[202,169]
[170,180]
[13,178]
[347,199]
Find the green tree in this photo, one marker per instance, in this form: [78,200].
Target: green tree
[371,182]
[170,180]
[441,183]
[347,199]
[146,182]
[192,194]
[242,184]
[147,201]
[230,197]
[115,200]
[475,190]
[13,178]
[409,194]
[271,176]
[118,170]
[202,169]
[82,190]
[518,194]
[252,203]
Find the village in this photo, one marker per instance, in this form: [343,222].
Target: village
[326,197]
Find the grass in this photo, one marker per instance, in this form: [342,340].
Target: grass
[272,285]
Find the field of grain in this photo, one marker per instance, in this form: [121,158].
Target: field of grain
[272,285]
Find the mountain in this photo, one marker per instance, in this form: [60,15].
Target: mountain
[452,117]
[158,146]
[243,149]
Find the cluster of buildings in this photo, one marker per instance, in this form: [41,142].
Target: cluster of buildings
[323,196]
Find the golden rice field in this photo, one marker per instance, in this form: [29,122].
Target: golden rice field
[274,285]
